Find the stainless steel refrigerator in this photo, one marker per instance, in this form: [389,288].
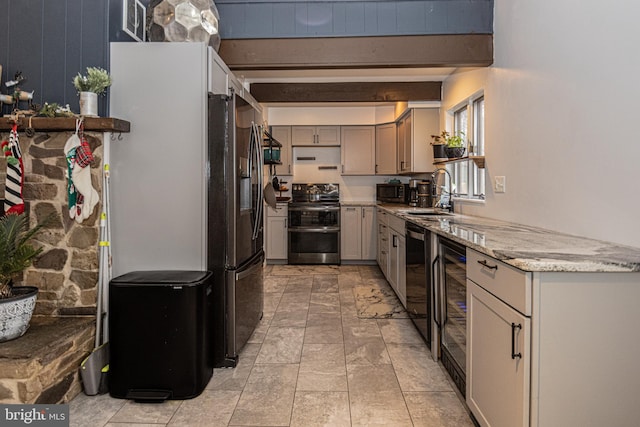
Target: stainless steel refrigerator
[186,182]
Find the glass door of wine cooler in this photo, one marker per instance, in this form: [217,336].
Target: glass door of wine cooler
[454,310]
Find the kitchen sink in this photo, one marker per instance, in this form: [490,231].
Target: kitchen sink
[425,212]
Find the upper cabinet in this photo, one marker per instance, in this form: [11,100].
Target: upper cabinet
[357,150]
[283,135]
[414,130]
[315,135]
[386,149]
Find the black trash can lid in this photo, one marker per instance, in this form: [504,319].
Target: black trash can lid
[162,277]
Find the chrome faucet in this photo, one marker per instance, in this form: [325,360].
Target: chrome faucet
[434,190]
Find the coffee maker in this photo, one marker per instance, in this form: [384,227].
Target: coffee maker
[424,194]
[413,192]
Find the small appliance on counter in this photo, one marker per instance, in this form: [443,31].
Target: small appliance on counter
[392,192]
[424,194]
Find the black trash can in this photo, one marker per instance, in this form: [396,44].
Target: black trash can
[160,334]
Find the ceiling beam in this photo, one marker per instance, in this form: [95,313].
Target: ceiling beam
[346,92]
[457,50]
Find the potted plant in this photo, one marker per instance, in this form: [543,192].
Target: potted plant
[89,86]
[454,144]
[16,254]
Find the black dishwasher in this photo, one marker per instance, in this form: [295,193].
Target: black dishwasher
[418,278]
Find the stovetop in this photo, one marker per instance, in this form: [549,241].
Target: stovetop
[315,193]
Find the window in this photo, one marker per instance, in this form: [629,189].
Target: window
[468,118]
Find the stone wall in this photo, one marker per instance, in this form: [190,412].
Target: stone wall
[67,271]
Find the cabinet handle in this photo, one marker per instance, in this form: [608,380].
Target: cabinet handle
[515,355]
[285,222]
[363,212]
[434,296]
[351,209]
[393,239]
[376,169]
[485,264]
[289,169]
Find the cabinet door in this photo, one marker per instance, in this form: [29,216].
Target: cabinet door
[426,122]
[369,235]
[393,260]
[358,154]
[303,135]
[401,288]
[383,248]
[401,129]
[498,360]
[386,155]
[283,135]
[276,243]
[328,135]
[350,230]
[407,159]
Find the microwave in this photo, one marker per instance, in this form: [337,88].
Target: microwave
[392,193]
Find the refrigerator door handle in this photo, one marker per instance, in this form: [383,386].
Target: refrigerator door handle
[249,270]
[255,143]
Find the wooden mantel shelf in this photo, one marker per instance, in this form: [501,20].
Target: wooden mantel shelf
[39,124]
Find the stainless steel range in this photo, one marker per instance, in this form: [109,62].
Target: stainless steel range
[314,224]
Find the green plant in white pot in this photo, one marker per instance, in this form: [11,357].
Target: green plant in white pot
[89,86]
[16,255]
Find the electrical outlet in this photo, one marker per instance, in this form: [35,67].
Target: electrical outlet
[500,184]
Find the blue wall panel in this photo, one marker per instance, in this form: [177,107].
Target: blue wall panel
[50,42]
[345,18]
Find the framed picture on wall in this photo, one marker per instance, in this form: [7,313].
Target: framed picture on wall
[134,17]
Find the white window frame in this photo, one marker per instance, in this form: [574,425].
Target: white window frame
[474,137]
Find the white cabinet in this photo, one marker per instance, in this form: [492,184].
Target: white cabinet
[283,135]
[357,230]
[397,258]
[386,149]
[357,150]
[383,241]
[498,360]
[276,233]
[498,342]
[315,135]
[414,130]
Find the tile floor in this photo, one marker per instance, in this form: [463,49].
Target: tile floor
[311,362]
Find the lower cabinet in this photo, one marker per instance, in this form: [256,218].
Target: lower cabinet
[357,233]
[498,360]
[383,241]
[276,233]
[397,265]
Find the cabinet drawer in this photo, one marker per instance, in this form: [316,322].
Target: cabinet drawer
[280,210]
[511,285]
[396,223]
[383,216]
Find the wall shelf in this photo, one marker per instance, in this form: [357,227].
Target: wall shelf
[60,124]
[478,160]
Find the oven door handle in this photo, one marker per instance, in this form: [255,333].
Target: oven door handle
[313,229]
[314,209]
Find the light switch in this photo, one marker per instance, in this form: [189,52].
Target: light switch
[500,184]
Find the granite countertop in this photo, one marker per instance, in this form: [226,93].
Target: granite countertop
[528,248]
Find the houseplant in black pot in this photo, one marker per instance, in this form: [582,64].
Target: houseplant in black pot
[16,254]
[454,144]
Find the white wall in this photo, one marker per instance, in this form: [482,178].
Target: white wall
[561,102]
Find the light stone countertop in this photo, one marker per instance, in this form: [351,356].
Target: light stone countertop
[528,248]
[355,203]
